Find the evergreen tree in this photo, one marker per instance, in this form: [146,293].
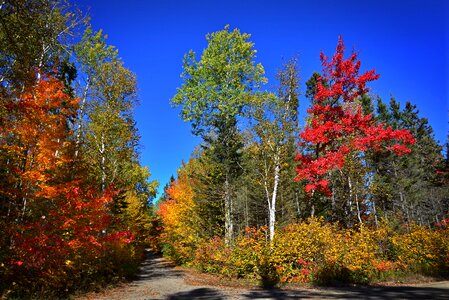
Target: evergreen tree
[406,186]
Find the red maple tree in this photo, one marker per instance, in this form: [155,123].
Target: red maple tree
[337,125]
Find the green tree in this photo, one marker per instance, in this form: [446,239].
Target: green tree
[407,186]
[106,134]
[34,37]
[275,132]
[215,92]
[91,53]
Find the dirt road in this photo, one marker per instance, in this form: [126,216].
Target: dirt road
[158,279]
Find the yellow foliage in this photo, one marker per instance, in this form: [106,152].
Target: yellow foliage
[179,218]
[422,249]
[318,251]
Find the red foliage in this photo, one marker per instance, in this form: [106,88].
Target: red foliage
[58,217]
[337,124]
[76,220]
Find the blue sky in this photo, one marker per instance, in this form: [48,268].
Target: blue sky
[406,42]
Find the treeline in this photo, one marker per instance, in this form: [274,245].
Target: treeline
[74,199]
[357,161]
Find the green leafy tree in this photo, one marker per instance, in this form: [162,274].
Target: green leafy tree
[106,137]
[215,92]
[34,37]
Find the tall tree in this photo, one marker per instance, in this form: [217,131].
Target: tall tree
[91,53]
[338,134]
[275,131]
[35,144]
[105,127]
[34,40]
[180,214]
[215,92]
[403,184]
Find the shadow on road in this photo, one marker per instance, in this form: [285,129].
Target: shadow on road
[401,292]
[155,267]
[200,293]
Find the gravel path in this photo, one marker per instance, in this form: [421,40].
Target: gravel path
[158,279]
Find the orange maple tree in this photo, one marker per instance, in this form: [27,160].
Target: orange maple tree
[178,214]
[54,214]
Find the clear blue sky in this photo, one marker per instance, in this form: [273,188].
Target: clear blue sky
[407,42]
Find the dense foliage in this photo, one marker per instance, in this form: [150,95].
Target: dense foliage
[319,252]
[370,199]
[74,207]
[338,135]
[360,194]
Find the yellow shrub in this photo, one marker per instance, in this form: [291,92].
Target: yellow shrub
[321,252]
[299,249]
[213,256]
[422,249]
[251,253]
[358,254]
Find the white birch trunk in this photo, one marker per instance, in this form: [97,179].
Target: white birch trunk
[229,226]
[103,165]
[272,206]
[376,221]
[358,208]
[80,118]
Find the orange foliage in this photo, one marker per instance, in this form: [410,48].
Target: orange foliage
[179,218]
[36,141]
[54,218]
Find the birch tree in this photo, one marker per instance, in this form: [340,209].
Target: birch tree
[106,137]
[275,128]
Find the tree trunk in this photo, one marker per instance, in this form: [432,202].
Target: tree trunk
[272,206]
[297,205]
[25,185]
[375,214]
[229,226]
[358,208]
[350,200]
[246,208]
[103,165]
[80,118]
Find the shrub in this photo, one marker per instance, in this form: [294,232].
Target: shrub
[213,256]
[251,256]
[300,249]
[422,250]
[320,252]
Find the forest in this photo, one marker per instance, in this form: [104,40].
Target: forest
[74,198]
[358,192]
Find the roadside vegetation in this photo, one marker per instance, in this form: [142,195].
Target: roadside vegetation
[355,193]
[74,199]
